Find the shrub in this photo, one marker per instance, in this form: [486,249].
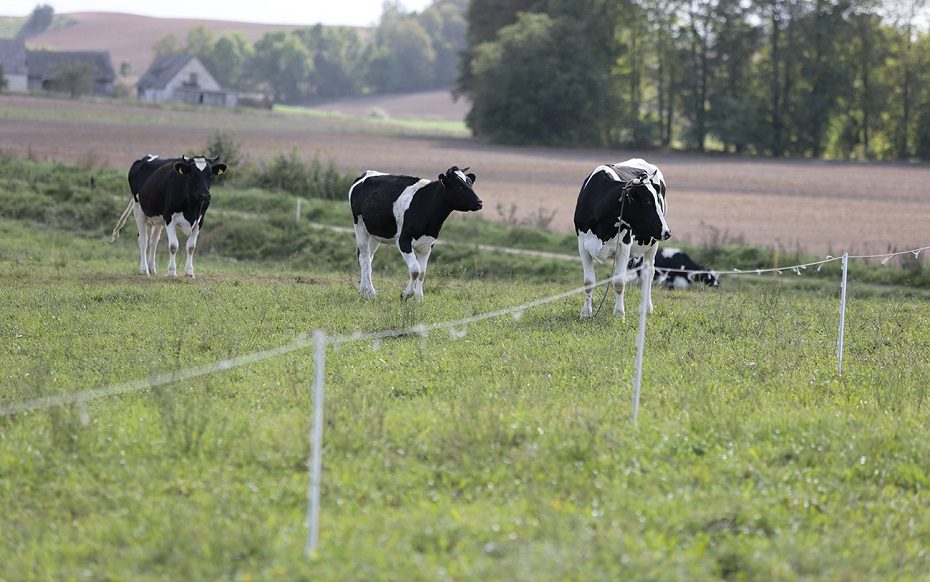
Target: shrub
[290,174]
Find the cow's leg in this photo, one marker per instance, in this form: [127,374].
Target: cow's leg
[191,248]
[620,265]
[365,247]
[413,267]
[143,238]
[587,264]
[173,245]
[422,260]
[154,236]
[649,269]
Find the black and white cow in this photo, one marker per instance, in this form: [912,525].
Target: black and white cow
[620,214]
[167,193]
[676,270]
[409,211]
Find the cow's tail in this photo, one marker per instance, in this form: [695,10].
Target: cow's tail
[122,221]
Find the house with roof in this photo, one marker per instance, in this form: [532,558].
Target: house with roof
[182,78]
[43,65]
[13,61]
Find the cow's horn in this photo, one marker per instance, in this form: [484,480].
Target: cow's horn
[213,159]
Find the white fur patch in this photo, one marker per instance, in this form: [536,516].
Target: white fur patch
[668,253]
[201,163]
[178,219]
[601,251]
[368,174]
[462,176]
[402,204]
[423,243]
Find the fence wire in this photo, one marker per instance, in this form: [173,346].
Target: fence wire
[456,328]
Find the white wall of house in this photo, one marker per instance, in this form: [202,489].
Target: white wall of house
[193,85]
[16,83]
[204,80]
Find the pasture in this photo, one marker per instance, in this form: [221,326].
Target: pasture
[507,453]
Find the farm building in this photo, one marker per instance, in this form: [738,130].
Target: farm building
[43,66]
[13,61]
[180,78]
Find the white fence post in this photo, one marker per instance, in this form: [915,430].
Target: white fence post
[640,346]
[316,438]
[297,217]
[839,351]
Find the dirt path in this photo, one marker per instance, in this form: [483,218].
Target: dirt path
[816,206]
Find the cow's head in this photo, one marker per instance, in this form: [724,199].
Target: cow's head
[198,173]
[457,188]
[709,278]
[643,201]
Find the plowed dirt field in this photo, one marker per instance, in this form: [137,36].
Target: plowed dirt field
[816,206]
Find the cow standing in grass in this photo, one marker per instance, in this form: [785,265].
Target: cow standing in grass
[620,214]
[409,211]
[167,193]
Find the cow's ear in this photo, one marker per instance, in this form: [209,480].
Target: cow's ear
[180,168]
[442,179]
[219,169]
[472,177]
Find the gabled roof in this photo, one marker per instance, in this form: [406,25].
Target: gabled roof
[160,73]
[44,64]
[13,56]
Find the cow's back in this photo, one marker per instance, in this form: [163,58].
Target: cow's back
[142,170]
[372,197]
[598,207]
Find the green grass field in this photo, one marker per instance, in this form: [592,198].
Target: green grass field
[508,453]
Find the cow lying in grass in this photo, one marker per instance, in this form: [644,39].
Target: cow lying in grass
[409,211]
[676,270]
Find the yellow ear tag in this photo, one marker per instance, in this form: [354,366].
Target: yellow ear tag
[219,171]
[181,171]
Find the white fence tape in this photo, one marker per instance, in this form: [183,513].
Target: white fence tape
[301,342]
[456,328]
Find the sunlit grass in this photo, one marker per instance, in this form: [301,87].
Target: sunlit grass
[427,125]
[505,453]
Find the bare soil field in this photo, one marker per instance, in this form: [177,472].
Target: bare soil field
[812,205]
[427,104]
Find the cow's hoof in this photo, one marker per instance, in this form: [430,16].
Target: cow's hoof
[189,275]
[620,313]
[405,296]
[367,293]
[586,314]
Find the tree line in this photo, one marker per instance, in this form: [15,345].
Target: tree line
[845,79]
[406,51]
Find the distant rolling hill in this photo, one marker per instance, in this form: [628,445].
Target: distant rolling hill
[129,38]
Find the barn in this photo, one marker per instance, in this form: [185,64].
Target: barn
[44,65]
[13,62]
[182,78]
[28,70]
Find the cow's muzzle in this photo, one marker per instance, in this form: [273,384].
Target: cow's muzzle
[666,234]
